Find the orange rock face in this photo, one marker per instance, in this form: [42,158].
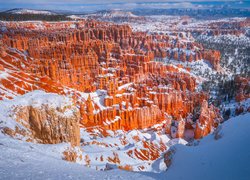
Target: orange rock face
[213,57]
[242,86]
[108,69]
[209,118]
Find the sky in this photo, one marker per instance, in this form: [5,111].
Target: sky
[92,5]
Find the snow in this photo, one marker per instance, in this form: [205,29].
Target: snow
[74,17]
[113,14]
[38,98]
[99,148]
[233,105]
[3,29]
[225,158]
[97,97]
[30,11]
[3,75]
[241,40]
[119,14]
[124,86]
[23,160]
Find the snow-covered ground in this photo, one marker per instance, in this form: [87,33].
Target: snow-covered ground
[30,11]
[225,155]
[225,158]
[22,160]
[233,105]
[27,160]
[135,149]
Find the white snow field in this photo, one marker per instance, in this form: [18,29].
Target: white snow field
[22,160]
[30,11]
[226,157]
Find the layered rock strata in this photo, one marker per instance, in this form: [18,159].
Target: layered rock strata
[108,69]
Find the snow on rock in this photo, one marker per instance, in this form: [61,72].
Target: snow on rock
[38,98]
[74,17]
[137,150]
[23,160]
[119,14]
[30,11]
[225,158]
[235,108]
[45,117]
[51,118]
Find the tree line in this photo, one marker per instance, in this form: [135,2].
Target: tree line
[32,17]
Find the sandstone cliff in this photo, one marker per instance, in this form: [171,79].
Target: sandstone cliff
[44,118]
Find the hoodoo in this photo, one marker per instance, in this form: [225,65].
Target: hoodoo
[119,90]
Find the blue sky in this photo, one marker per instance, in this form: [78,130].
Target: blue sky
[89,5]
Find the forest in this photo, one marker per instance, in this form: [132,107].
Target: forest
[4,16]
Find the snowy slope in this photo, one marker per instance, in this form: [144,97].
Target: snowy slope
[137,149]
[22,160]
[30,11]
[35,98]
[226,158]
[118,14]
[112,14]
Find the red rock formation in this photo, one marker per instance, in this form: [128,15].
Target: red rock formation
[180,129]
[72,154]
[41,120]
[209,118]
[1,68]
[137,92]
[213,57]
[242,86]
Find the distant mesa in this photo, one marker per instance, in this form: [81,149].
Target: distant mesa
[30,11]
